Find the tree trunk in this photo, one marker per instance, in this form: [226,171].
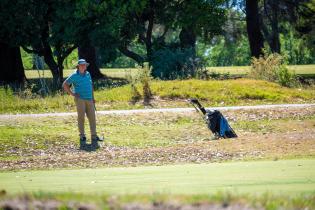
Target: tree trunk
[138,58]
[148,40]
[271,9]
[45,50]
[60,67]
[275,40]
[12,70]
[187,39]
[53,66]
[255,37]
[89,54]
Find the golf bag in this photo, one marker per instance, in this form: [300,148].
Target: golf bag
[215,121]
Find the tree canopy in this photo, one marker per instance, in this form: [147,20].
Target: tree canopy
[167,34]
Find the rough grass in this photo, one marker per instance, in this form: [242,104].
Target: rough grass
[156,138]
[166,94]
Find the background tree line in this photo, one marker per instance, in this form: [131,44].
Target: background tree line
[172,36]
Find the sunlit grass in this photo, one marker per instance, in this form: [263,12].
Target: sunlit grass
[283,177]
[123,72]
[147,130]
[173,93]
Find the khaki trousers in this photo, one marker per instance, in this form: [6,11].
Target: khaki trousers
[85,107]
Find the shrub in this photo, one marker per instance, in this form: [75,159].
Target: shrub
[145,78]
[135,95]
[176,63]
[286,78]
[272,68]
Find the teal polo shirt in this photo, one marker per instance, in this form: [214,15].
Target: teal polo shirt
[82,84]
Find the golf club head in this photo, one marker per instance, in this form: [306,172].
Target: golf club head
[101,138]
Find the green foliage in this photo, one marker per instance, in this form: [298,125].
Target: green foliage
[204,18]
[272,68]
[21,21]
[296,49]
[175,63]
[285,77]
[223,53]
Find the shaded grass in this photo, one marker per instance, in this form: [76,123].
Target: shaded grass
[166,94]
[112,72]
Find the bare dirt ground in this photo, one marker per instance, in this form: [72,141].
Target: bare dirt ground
[267,134]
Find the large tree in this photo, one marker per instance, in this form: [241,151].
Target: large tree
[93,25]
[150,26]
[275,15]
[12,70]
[33,27]
[10,57]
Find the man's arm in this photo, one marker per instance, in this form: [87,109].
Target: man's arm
[67,88]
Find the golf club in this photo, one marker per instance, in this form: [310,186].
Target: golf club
[97,120]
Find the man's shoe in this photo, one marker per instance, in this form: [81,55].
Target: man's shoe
[95,144]
[82,142]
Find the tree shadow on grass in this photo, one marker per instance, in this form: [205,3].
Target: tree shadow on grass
[43,86]
[88,148]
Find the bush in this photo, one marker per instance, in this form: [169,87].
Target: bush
[272,68]
[135,95]
[143,77]
[176,63]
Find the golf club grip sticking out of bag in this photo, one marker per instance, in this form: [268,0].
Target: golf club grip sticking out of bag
[215,121]
[194,102]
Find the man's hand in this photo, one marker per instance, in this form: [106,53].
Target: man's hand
[94,101]
[66,87]
[76,95]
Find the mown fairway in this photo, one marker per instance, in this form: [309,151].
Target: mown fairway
[279,177]
[123,72]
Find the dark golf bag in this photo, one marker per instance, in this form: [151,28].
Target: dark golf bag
[215,121]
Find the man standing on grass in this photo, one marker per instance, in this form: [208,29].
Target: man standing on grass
[84,99]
